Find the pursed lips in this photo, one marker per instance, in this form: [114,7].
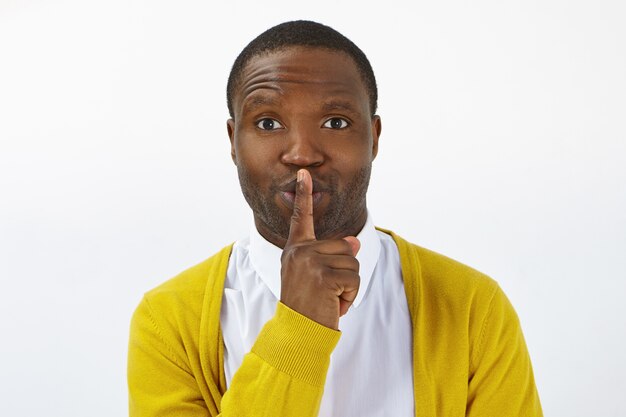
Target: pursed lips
[288,192]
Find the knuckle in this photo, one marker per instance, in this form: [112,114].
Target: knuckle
[355,264]
[346,247]
[298,253]
[298,213]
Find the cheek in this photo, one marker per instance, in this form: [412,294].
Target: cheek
[352,160]
[253,160]
[257,151]
[354,149]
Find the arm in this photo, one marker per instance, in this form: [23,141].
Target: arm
[285,371]
[283,375]
[160,378]
[501,379]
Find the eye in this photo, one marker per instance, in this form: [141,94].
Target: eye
[336,123]
[269,124]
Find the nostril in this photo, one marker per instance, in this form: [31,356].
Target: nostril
[302,156]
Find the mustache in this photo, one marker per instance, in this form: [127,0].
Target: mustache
[288,184]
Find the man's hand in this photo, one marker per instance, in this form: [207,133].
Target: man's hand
[320,278]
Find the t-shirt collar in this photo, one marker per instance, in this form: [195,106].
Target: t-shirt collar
[265,259]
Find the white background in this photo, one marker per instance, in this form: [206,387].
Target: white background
[503,146]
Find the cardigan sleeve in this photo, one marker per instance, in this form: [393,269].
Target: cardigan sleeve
[285,371]
[283,375]
[501,381]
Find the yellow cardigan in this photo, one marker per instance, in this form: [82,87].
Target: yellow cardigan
[469,354]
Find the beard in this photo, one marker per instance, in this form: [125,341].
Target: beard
[344,207]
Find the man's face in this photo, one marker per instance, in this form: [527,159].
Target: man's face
[304,108]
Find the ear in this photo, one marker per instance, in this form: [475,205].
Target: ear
[377,127]
[230,126]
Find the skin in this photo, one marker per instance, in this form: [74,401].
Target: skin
[303,140]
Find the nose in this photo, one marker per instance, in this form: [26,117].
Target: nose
[303,148]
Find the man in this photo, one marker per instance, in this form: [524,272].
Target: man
[318,312]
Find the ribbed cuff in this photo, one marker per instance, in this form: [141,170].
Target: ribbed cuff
[297,345]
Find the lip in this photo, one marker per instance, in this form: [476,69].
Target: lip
[287,193]
[290,197]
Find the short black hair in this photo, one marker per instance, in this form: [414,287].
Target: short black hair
[301,33]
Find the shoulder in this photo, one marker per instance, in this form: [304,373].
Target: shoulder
[437,272]
[448,298]
[194,279]
[181,299]
[438,286]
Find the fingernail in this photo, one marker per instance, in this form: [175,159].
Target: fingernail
[300,176]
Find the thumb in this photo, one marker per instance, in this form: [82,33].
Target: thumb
[354,244]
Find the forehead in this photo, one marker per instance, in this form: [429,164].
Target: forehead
[301,70]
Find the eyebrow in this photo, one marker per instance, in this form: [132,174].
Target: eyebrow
[257,101]
[338,105]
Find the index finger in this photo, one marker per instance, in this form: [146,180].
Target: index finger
[302,228]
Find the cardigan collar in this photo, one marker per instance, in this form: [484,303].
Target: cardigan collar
[265,259]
